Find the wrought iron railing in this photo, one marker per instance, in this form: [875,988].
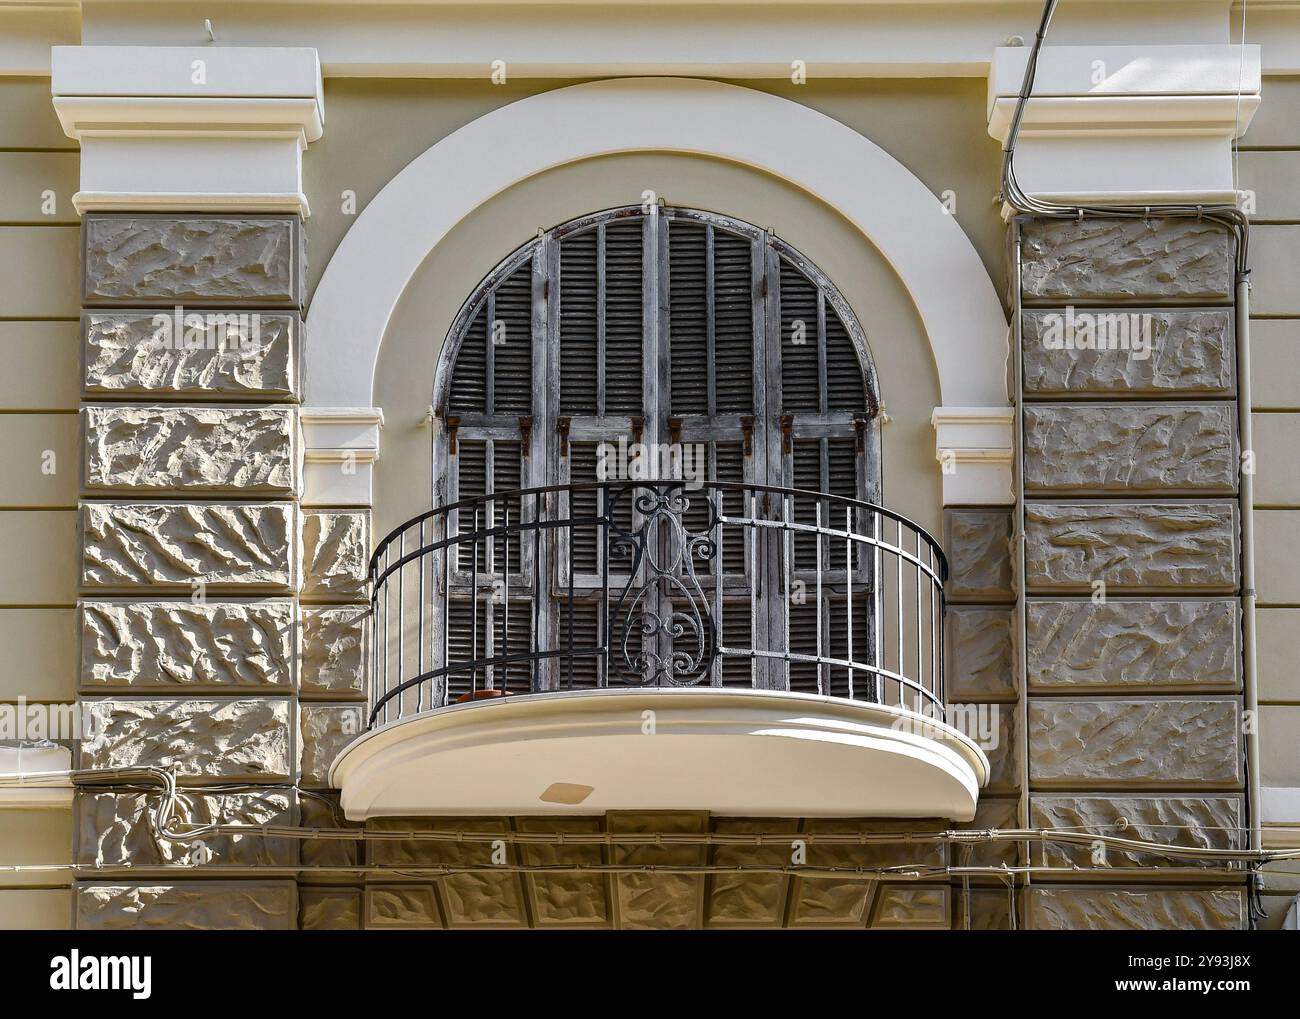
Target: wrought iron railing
[627,584]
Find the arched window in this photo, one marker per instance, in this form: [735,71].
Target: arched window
[657,331]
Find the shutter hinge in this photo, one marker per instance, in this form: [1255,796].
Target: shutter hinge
[638,428]
[675,431]
[525,435]
[562,427]
[453,424]
[787,439]
[747,429]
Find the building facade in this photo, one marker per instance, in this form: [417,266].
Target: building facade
[613,466]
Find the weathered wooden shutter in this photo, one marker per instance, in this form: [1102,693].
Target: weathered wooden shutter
[663,326]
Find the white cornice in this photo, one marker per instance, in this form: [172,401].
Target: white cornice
[84,116]
[705,39]
[459,39]
[340,445]
[1127,124]
[1108,90]
[192,128]
[975,449]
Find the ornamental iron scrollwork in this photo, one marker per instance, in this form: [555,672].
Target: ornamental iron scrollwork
[664,634]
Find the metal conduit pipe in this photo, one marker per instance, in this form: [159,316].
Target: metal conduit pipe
[1246,494]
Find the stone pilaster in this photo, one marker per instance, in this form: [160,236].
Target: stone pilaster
[191,563]
[1130,467]
[982,681]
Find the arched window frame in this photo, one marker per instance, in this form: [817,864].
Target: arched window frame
[545,437]
[543,250]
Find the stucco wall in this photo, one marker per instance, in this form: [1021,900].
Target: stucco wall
[376,126]
[38,401]
[1269,165]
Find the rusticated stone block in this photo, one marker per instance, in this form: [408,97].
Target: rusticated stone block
[329,909]
[989,909]
[1125,259]
[981,659]
[322,810]
[410,906]
[1132,547]
[335,550]
[245,450]
[1191,354]
[333,652]
[993,727]
[178,545]
[1203,822]
[991,812]
[749,900]
[565,899]
[661,901]
[221,355]
[1121,645]
[113,829]
[978,546]
[847,901]
[180,643]
[910,907]
[201,738]
[486,897]
[188,905]
[238,260]
[1129,448]
[326,730]
[1162,743]
[1156,909]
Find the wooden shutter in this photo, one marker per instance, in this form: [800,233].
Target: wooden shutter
[671,325]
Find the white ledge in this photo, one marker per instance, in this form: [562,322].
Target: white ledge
[35,777]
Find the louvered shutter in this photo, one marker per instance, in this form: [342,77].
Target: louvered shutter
[661,326]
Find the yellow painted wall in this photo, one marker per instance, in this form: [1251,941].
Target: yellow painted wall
[39,462]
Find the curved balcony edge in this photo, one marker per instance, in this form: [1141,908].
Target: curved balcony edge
[731,752]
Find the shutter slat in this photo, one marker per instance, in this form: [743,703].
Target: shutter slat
[800,381]
[733,325]
[469,377]
[578,322]
[688,319]
[512,344]
[624,327]
[737,633]
[845,386]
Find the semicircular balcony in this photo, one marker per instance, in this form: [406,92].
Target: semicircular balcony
[741,649]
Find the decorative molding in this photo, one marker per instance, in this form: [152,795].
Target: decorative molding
[199,129]
[974,447]
[1128,124]
[955,299]
[340,447]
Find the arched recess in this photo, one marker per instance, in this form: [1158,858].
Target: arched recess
[937,263]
